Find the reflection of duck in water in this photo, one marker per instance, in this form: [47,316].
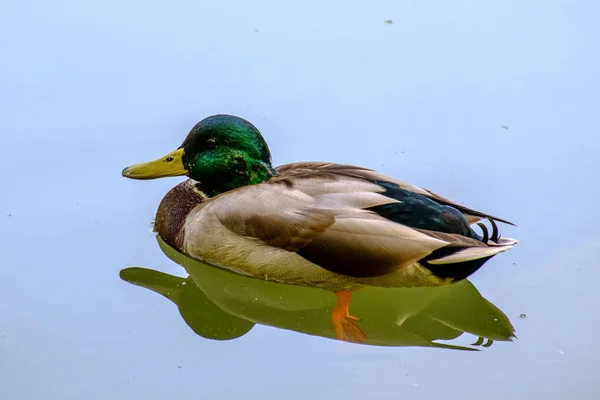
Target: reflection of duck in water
[221,305]
[316,224]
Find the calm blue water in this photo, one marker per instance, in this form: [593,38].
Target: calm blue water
[88,88]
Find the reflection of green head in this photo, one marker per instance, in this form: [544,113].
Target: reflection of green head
[202,315]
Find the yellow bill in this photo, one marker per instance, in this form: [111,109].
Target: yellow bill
[169,165]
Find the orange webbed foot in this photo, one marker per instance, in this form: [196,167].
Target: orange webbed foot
[345,325]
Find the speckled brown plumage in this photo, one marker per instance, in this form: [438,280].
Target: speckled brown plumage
[173,210]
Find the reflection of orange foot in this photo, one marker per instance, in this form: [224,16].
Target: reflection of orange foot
[345,324]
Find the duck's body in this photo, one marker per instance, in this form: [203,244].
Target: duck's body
[310,223]
[327,225]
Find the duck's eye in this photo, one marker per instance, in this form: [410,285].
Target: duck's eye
[169,159]
[211,143]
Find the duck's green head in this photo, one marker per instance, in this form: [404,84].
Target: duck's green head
[222,152]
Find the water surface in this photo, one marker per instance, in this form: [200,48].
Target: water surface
[494,106]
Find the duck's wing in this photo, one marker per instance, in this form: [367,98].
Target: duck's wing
[328,219]
[392,184]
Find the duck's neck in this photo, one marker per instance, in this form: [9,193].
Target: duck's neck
[232,174]
[174,209]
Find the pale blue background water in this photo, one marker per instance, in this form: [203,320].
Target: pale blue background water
[87,88]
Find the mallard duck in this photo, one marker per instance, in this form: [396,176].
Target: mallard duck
[319,224]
